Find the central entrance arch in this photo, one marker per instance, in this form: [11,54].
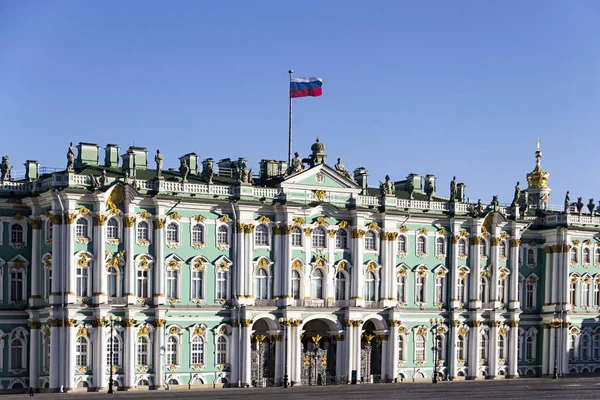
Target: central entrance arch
[319,351]
[263,353]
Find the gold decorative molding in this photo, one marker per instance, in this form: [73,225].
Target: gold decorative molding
[298,221]
[297,264]
[403,229]
[495,241]
[358,233]
[373,226]
[224,219]
[129,323]
[35,224]
[422,231]
[99,220]
[321,220]
[174,216]
[332,233]
[308,231]
[319,194]
[263,219]
[159,223]
[159,323]
[128,222]
[116,198]
[343,224]
[515,242]
[70,218]
[455,239]
[145,215]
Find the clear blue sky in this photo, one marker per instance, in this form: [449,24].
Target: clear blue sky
[446,88]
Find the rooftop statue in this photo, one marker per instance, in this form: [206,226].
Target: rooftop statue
[453,189]
[103,178]
[184,170]
[244,174]
[159,164]
[524,202]
[339,167]
[297,165]
[579,205]
[5,168]
[567,202]
[387,187]
[95,185]
[591,206]
[516,196]
[429,189]
[70,157]
[208,172]
[495,203]
[411,187]
[479,207]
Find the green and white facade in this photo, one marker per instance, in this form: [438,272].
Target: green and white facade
[304,272]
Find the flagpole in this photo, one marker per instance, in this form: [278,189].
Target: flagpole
[291,71]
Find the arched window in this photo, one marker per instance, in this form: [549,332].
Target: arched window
[222,235]
[462,248]
[440,286]
[221,292]
[261,284]
[261,235]
[401,348]
[401,288]
[530,287]
[173,233]
[296,237]
[198,234]
[597,256]
[370,287]
[587,256]
[483,347]
[81,228]
[439,347]
[340,286]
[112,229]
[596,293]
[501,290]
[421,245]
[596,346]
[143,231]
[172,350]
[585,347]
[501,350]
[461,287]
[142,283]
[502,248]
[143,382]
[114,342]
[402,244]
[483,288]
[460,347]
[420,348]
[197,350]
[81,281]
[420,289]
[370,241]
[296,284]
[172,283]
[530,257]
[221,353]
[317,284]
[529,348]
[572,346]
[197,284]
[483,248]
[585,294]
[318,238]
[112,276]
[16,234]
[341,239]
[81,352]
[16,354]
[573,291]
[440,247]
[142,351]
[573,254]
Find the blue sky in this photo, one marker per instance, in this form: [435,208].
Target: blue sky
[446,88]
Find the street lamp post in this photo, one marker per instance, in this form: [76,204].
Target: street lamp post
[556,323]
[111,321]
[285,322]
[435,322]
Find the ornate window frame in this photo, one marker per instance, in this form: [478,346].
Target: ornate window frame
[338,235]
[531,333]
[83,237]
[223,331]
[267,234]
[313,237]
[19,334]
[574,256]
[223,265]
[173,332]
[199,265]
[203,234]
[84,259]
[400,252]
[424,237]
[200,331]
[574,287]
[464,273]
[323,279]
[119,230]
[402,355]
[47,263]
[18,264]
[173,244]
[343,272]
[421,271]
[21,222]
[143,242]
[118,353]
[440,240]
[590,255]
[173,265]
[267,265]
[503,250]
[220,244]
[144,262]
[464,253]
[373,267]
[297,233]
[401,278]
[145,331]
[422,332]
[440,272]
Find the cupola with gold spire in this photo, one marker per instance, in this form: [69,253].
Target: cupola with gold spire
[537,180]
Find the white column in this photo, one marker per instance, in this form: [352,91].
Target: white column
[235,353]
[384,272]
[100,344]
[57,263]
[339,357]
[159,265]
[100,284]
[474,277]
[278,267]
[34,354]
[385,353]
[55,356]
[545,349]
[513,347]
[453,282]
[129,238]
[36,257]
[513,299]
[357,345]
[548,290]
[451,344]
[493,349]
[247,353]
[69,258]
[279,355]
[296,332]
[288,360]
[473,349]
[129,359]
[248,286]
[357,274]
[159,354]
[348,349]
[69,340]
[394,355]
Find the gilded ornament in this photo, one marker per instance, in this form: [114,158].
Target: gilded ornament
[116,198]
[504,235]
[462,331]
[129,323]
[159,323]
[262,263]
[81,332]
[173,264]
[56,219]
[128,222]
[263,219]
[495,241]
[464,233]
[144,262]
[319,194]
[455,239]
[99,220]
[173,330]
[297,264]
[422,231]
[145,215]
[358,234]
[394,322]
[515,242]
[83,211]
[70,218]
[403,229]
[575,242]
[321,220]
[373,226]
[18,217]
[402,330]
[475,240]
[34,324]
[332,233]
[343,224]
[224,218]
[307,231]
[494,324]
[372,267]
[174,216]
[35,224]
[502,331]
[298,221]
[442,231]
[83,260]
[159,223]
[223,330]
[341,266]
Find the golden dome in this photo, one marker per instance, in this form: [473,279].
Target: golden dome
[538,178]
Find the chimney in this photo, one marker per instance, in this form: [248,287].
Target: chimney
[87,154]
[32,170]
[111,156]
[460,192]
[360,176]
[129,166]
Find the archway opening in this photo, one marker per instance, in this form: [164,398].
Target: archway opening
[319,350]
[370,353]
[263,352]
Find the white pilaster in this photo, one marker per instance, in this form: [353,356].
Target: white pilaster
[159,266]
[69,260]
[473,351]
[339,357]
[129,239]
[36,264]
[513,343]
[247,353]
[452,340]
[100,276]
[34,354]
[278,361]
[55,357]
[69,340]
[349,349]
[100,344]
[235,353]
[129,359]
[493,349]
[159,354]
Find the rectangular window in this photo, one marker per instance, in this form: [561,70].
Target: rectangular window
[82,282]
[221,293]
[16,286]
[172,292]
[197,292]
[142,284]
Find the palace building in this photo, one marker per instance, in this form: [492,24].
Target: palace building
[301,273]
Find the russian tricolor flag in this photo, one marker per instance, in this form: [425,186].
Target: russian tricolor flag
[302,87]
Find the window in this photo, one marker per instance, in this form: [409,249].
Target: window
[530,257]
[462,248]
[585,347]
[261,284]
[221,293]
[587,256]
[573,291]
[519,347]
[198,234]
[421,245]
[46,353]
[585,294]
[572,346]
[295,285]
[142,351]
[370,287]
[440,284]
[596,346]
[530,348]
[17,281]
[420,348]
[143,231]
[502,249]
[112,229]
[501,290]
[49,230]
[197,350]
[261,235]
[530,294]
[370,241]
[460,348]
[401,288]
[112,278]
[172,233]
[143,284]
[461,289]
[81,352]
[402,244]
[172,284]
[115,343]
[596,294]
[222,235]
[171,351]
[48,282]
[439,347]
[483,347]
[597,257]
[296,237]
[574,255]
[420,289]
[440,248]
[341,239]
[501,351]
[81,288]
[16,354]
[483,248]
[81,228]
[318,238]
[340,286]
[483,290]
[221,355]
[401,348]
[197,284]
[317,284]
[16,234]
